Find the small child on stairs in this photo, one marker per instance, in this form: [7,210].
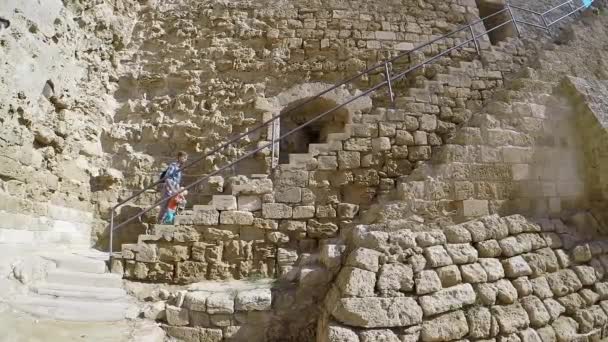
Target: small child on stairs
[177,202]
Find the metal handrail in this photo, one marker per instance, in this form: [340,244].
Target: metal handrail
[388,81]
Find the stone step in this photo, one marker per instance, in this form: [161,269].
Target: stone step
[71,310]
[300,159]
[84,279]
[80,292]
[77,263]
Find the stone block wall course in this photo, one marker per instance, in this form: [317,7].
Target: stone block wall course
[529,288]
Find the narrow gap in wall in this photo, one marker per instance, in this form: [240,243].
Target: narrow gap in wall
[489,7]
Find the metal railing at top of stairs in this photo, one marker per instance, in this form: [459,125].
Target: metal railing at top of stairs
[388,81]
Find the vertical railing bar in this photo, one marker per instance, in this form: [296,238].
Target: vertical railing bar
[513,19]
[542,16]
[111,238]
[390,85]
[475,40]
[272,133]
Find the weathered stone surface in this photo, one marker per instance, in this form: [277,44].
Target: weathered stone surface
[431,238]
[177,316]
[473,273]
[196,301]
[242,218]
[516,267]
[538,314]
[563,282]
[355,282]
[220,303]
[523,286]
[493,268]
[320,230]
[449,275]
[253,300]
[395,277]
[457,234]
[448,299]
[364,258]
[462,253]
[378,335]
[427,282]
[446,327]
[337,333]
[480,322]
[276,211]
[586,274]
[511,318]
[377,312]
[437,256]
[505,292]
[489,249]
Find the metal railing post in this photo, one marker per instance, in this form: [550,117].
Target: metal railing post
[111,237]
[390,84]
[513,19]
[273,146]
[542,16]
[475,40]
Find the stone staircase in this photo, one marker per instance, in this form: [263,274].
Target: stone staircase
[77,287]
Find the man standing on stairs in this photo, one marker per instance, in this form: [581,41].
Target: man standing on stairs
[172,178]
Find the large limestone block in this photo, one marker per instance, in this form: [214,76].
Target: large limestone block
[220,303]
[205,215]
[276,211]
[384,335]
[395,277]
[493,268]
[564,282]
[437,256]
[241,218]
[511,318]
[516,267]
[473,273]
[356,282]
[253,187]
[224,202]
[364,258]
[452,298]
[480,322]
[537,312]
[320,230]
[446,327]
[253,300]
[337,333]
[196,300]
[177,316]
[472,208]
[463,253]
[374,312]
[427,282]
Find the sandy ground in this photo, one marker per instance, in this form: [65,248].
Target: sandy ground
[18,327]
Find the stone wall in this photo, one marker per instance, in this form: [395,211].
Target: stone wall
[490,279]
[57,61]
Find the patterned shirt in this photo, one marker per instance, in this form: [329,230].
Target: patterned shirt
[173,176]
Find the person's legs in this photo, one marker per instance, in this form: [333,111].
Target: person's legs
[163,206]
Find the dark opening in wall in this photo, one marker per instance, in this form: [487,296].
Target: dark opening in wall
[489,7]
[315,132]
